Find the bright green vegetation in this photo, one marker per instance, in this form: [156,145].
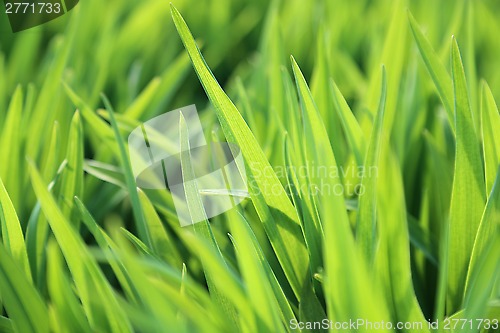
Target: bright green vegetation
[403,226]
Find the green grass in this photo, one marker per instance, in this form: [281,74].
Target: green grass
[370,135]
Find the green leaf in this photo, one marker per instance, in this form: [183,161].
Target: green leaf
[275,209]
[352,130]
[93,289]
[140,223]
[393,251]
[489,223]
[468,197]
[436,69]
[72,177]
[366,224]
[10,141]
[70,312]
[12,233]
[25,307]
[341,255]
[490,120]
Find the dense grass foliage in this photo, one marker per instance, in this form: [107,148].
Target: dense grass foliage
[371,141]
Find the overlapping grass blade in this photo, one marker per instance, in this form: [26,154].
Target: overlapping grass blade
[393,255]
[354,134]
[23,303]
[72,177]
[366,224]
[199,218]
[275,209]
[10,141]
[341,255]
[89,280]
[140,223]
[70,314]
[436,69]
[490,120]
[12,233]
[468,197]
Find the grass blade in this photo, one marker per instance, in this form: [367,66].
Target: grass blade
[25,307]
[276,211]
[468,197]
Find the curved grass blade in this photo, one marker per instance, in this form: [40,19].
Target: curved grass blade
[393,254]
[25,307]
[436,69]
[275,209]
[342,258]
[89,279]
[197,213]
[10,141]
[468,198]
[489,223]
[12,233]
[366,224]
[140,223]
[490,120]
[354,134]
[72,177]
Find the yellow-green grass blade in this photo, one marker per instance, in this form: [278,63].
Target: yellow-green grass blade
[198,216]
[436,69]
[10,141]
[484,262]
[393,58]
[49,92]
[468,199]
[143,101]
[489,223]
[394,250]
[6,325]
[482,281]
[23,303]
[286,312]
[171,80]
[72,177]
[38,228]
[12,233]
[275,209]
[366,224]
[163,243]
[470,60]
[490,120]
[93,289]
[106,243]
[354,134]
[260,292]
[70,314]
[342,258]
[321,93]
[140,223]
[99,126]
